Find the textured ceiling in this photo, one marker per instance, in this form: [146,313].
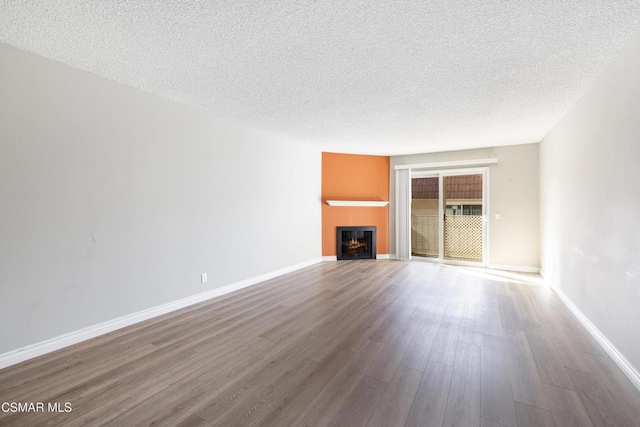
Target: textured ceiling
[365,76]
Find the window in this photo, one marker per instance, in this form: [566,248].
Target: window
[472,210]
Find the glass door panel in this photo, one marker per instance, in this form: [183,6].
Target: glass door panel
[463,217]
[425,217]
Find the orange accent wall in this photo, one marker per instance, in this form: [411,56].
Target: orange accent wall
[354,177]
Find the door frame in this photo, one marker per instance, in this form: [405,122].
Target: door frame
[440,174]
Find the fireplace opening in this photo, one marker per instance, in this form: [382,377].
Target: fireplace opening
[356,243]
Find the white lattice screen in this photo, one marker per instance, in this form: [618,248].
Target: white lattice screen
[463,237]
[424,235]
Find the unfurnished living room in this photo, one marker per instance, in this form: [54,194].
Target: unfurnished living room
[310,213]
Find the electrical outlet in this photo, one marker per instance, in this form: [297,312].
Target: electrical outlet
[318,248]
[203,277]
[497,215]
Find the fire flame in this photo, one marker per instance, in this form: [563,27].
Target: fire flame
[355,244]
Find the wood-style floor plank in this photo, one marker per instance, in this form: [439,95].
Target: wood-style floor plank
[463,404]
[249,406]
[525,381]
[360,405]
[508,313]
[531,416]
[302,395]
[597,401]
[168,405]
[193,421]
[625,394]
[545,354]
[430,401]
[419,351]
[496,393]
[393,409]
[566,408]
[329,401]
[345,343]
[487,423]
[445,344]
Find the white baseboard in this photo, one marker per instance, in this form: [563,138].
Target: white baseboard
[627,368]
[517,268]
[34,350]
[383,256]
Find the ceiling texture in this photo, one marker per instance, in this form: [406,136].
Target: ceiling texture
[354,76]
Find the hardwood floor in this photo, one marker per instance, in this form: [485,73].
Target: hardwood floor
[357,343]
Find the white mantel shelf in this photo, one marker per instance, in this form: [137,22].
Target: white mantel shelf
[358,203]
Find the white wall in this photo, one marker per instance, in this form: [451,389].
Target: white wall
[590,204]
[113,200]
[514,238]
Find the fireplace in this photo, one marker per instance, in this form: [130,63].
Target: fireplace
[356,243]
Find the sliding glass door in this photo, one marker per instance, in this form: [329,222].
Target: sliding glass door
[463,218]
[425,217]
[447,215]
